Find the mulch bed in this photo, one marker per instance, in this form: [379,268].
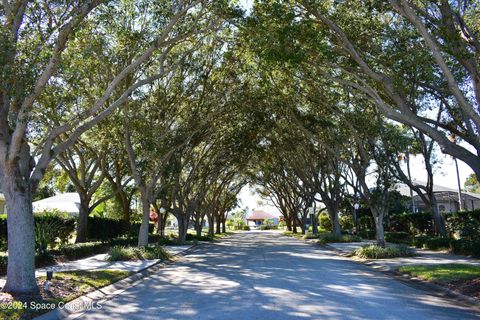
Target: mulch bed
[468,287]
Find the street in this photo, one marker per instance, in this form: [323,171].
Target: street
[265,275]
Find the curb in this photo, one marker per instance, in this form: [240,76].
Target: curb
[75,308]
[417,283]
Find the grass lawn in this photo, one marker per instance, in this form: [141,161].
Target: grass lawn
[462,278]
[443,272]
[64,287]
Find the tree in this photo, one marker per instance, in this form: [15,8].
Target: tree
[36,39]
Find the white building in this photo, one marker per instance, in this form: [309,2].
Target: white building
[65,202]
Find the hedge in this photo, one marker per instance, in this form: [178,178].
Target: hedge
[45,218]
[398,237]
[102,229]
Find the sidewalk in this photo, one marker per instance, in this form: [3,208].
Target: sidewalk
[422,257]
[99,262]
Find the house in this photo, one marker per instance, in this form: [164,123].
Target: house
[257,218]
[65,202]
[447,198]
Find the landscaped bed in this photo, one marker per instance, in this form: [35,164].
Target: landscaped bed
[64,287]
[462,278]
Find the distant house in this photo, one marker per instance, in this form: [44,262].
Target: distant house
[65,202]
[257,217]
[447,198]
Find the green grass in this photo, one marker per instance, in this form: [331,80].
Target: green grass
[443,272]
[72,284]
[118,253]
[377,252]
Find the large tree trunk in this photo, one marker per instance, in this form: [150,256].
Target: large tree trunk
[438,220]
[294,224]
[198,227]
[143,233]
[21,237]
[211,223]
[218,228]
[182,227]
[82,221]
[122,198]
[161,223]
[378,215]
[224,224]
[336,230]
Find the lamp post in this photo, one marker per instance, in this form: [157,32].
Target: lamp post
[453,139]
[160,221]
[311,212]
[356,206]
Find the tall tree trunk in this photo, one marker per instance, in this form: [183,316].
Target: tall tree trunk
[438,220]
[288,222]
[143,232]
[378,215]
[224,224]
[21,237]
[211,223]
[218,228]
[336,230]
[122,198]
[198,227]
[182,227]
[82,221]
[294,225]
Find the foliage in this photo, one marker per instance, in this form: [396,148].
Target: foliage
[324,221]
[100,228]
[119,253]
[346,222]
[46,234]
[377,252]
[331,238]
[471,184]
[398,237]
[190,237]
[436,243]
[82,250]
[443,272]
[268,227]
[367,234]
[465,247]
[464,224]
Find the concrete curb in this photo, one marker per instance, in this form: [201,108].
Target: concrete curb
[91,300]
[431,288]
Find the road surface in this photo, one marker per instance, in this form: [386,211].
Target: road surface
[265,275]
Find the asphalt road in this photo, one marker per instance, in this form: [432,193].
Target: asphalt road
[264,275]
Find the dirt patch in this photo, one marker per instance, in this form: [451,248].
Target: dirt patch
[468,287]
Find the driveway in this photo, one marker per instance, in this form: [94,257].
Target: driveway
[265,275]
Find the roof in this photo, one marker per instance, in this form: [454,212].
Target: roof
[405,190]
[260,215]
[66,202]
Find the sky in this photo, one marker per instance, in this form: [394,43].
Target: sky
[445,175]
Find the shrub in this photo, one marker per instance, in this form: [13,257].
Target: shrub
[3,264]
[81,250]
[135,228]
[398,237]
[118,253]
[465,247]
[367,234]
[464,224]
[324,221]
[330,238]
[268,227]
[191,237]
[419,241]
[47,217]
[346,222]
[46,232]
[103,229]
[435,243]
[377,252]
[246,228]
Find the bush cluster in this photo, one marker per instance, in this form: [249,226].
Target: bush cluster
[268,227]
[377,252]
[330,238]
[119,253]
[398,237]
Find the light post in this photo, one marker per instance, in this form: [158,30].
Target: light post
[311,212]
[162,211]
[356,206]
[453,139]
